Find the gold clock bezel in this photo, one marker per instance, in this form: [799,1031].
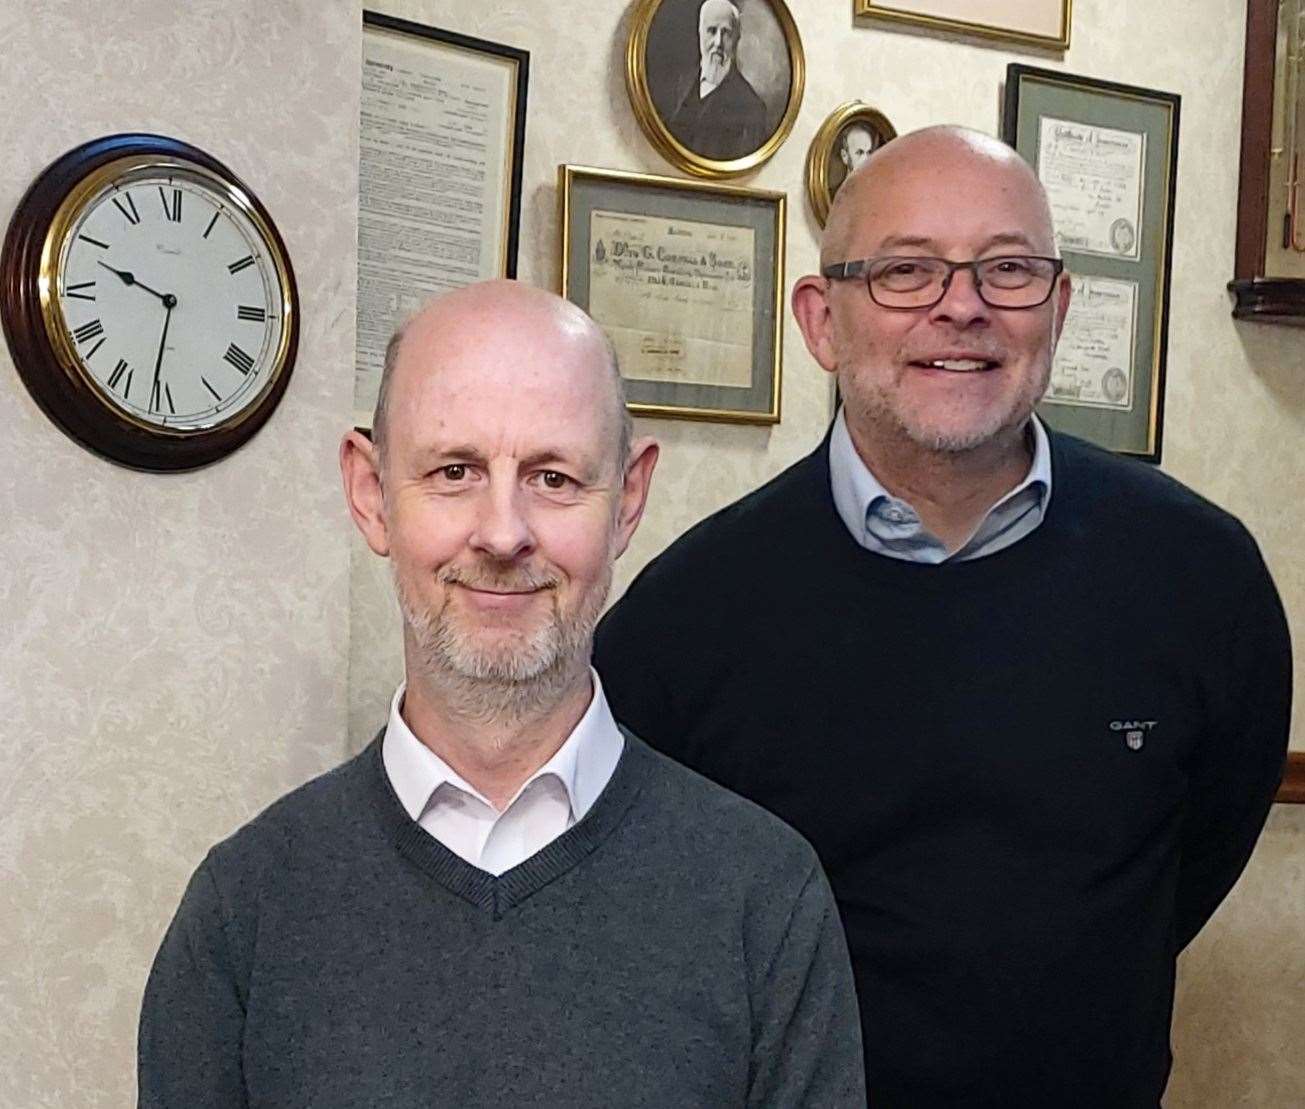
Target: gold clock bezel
[121,171]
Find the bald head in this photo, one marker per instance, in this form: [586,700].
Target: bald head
[504,323]
[963,157]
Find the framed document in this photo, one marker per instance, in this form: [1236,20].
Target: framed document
[1043,23]
[715,84]
[441,135]
[1107,155]
[849,135]
[686,278]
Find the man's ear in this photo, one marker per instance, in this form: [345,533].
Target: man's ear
[1062,294]
[634,491]
[811,310]
[362,490]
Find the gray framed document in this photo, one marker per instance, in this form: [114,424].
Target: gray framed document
[686,278]
[441,134]
[1107,155]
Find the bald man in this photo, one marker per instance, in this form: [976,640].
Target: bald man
[506,899]
[1028,699]
[717,112]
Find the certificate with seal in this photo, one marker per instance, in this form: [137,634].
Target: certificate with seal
[685,278]
[1094,180]
[1094,360]
[678,294]
[1106,155]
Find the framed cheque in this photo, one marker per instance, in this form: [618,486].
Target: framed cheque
[1107,156]
[1043,23]
[686,278]
[442,128]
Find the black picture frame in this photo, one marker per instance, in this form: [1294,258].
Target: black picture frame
[1033,94]
[514,137]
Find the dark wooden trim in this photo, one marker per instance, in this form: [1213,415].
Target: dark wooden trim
[1257,135]
[1292,790]
[1269,299]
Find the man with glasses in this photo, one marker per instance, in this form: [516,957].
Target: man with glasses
[1028,699]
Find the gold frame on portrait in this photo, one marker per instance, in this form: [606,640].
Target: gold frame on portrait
[887,11]
[822,149]
[569,175]
[675,152]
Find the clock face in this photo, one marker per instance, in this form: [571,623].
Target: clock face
[169,298]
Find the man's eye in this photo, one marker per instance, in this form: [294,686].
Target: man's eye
[554,480]
[453,472]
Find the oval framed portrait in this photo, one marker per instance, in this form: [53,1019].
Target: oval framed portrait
[845,140]
[715,84]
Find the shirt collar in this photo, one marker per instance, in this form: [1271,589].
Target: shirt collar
[583,764]
[856,490]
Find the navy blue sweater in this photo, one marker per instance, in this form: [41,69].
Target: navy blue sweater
[1031,777]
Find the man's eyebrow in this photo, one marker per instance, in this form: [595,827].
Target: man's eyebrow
[923,242]
[583,465]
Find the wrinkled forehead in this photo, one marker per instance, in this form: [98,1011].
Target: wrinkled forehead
[925,202]
[488,396]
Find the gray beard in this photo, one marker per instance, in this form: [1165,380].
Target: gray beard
[505,684]
[714,72]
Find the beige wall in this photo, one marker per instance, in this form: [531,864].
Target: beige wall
[174,652]
[173,649]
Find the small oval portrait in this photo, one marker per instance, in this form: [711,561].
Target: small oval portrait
[845,140]
[715,84]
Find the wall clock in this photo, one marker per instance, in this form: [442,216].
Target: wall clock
[148,302]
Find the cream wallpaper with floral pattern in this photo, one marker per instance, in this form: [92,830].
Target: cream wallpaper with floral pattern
[175,652]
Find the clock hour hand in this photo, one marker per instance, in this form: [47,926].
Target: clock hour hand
[129,278]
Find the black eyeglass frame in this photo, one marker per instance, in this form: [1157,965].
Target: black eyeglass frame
[842,271]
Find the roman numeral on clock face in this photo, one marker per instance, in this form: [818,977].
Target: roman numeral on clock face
[88,331]
[239,359]
[118,370]
[248,312]
[171,204]
[128,209]
[78,291]
[241,263]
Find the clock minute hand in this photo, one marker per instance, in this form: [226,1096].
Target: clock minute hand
[129,278]
[169,302]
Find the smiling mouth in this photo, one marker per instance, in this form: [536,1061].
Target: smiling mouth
[957,365]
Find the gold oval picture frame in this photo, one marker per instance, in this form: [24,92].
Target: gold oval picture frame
[851,133]
[746,53]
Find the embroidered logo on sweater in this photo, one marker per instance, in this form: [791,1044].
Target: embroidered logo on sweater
[1134,731]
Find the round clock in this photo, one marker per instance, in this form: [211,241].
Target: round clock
[148,302]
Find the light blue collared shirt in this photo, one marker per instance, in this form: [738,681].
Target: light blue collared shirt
[889,526]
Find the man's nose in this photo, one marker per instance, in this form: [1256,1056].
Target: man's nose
[502,529]
[961,304]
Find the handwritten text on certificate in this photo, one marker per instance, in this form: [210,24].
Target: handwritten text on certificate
[1094,360]
[1094,180]
[674,296]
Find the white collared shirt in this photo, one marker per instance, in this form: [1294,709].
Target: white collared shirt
[552,799]
[890,526]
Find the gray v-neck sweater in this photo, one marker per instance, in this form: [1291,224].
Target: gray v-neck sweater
[677,947]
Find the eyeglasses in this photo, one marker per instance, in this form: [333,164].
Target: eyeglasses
[1008,281]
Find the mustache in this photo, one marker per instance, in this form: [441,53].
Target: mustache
[512,579]
[925,352]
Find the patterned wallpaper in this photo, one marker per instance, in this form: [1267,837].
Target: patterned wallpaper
[173,649]
[176,652]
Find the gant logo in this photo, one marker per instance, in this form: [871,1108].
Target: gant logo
[1134,731]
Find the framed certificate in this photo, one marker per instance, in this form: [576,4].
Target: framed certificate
[1043,23]
[442,128]
[686,278]
[1106,154]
